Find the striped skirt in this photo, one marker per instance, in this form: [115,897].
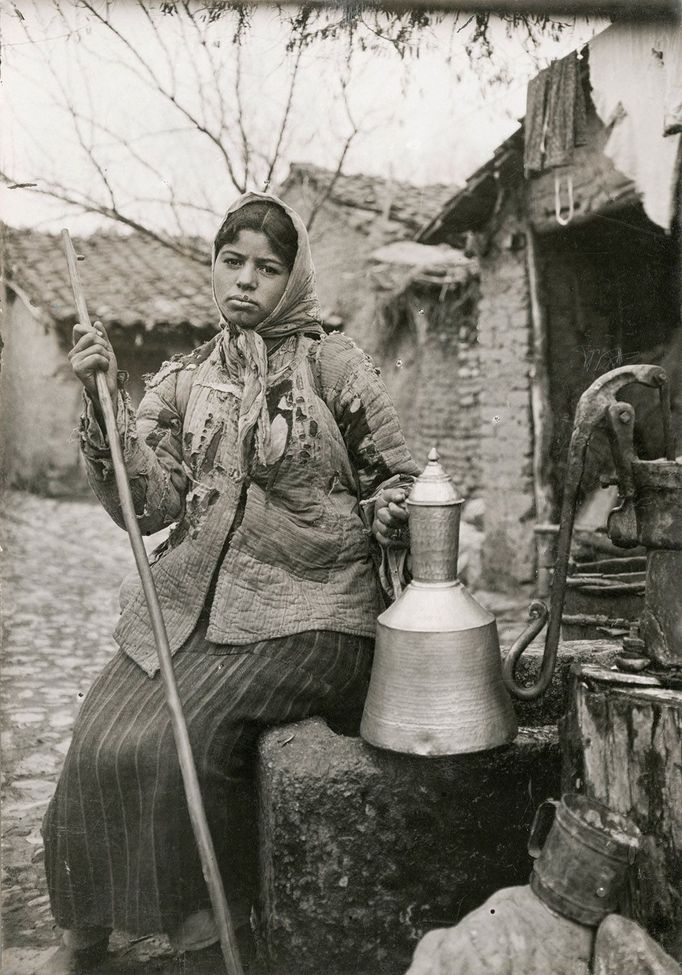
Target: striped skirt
[119,847]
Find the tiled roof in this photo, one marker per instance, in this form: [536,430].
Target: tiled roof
[412,206]
[128,280]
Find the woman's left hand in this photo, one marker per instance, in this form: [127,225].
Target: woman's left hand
[390,518]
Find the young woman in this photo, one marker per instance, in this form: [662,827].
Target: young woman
[259,447]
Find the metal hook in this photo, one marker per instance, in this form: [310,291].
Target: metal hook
[563,221]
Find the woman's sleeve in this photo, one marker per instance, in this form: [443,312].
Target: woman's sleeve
[152,452]
[354,391]
[370,427]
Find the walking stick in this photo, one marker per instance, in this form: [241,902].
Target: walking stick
[209,863]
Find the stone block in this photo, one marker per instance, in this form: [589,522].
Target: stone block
[365,850]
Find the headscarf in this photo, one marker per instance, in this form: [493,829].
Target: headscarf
[298,311]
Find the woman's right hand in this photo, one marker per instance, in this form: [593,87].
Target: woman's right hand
[92,352]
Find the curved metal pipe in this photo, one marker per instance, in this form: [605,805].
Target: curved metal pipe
[592,407]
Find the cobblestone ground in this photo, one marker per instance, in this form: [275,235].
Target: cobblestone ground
[63,561]
[62,564]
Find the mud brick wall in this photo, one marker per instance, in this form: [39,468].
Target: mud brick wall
[433,375]
[448,414]
[504,334]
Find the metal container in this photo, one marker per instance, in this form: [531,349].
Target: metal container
[436,686]
[581,868]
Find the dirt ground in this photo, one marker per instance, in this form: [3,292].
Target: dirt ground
[62,564]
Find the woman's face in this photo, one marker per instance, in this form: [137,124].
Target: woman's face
[249,279]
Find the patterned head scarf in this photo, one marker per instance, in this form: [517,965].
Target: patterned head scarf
[298,311]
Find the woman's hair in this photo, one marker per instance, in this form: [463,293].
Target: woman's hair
[266,218]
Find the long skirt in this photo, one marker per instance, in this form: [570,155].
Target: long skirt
[119,847]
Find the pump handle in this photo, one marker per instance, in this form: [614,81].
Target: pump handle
[593,406]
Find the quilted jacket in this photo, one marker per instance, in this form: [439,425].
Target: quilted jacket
[281,549]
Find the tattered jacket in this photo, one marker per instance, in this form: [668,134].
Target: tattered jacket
[282,549]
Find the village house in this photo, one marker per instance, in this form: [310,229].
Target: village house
[349,217]
[154,302]
[579,273]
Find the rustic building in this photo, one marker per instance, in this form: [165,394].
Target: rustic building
[154,302]
[348,218]
[575,279]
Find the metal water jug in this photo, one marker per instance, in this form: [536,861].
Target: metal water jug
[436,685]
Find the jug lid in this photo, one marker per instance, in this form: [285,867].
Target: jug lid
[434,486]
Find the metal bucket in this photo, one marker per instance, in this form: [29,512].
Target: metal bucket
[581,867]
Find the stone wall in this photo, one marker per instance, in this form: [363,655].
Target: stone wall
[364,850]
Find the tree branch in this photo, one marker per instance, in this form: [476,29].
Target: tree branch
[322,199]
[285,118]
[89,205]
[168,96]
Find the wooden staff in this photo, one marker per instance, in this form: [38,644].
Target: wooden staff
[209,863]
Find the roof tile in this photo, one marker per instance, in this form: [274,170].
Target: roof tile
[413,206]
[127,279]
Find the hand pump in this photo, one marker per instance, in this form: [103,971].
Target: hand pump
[209,863]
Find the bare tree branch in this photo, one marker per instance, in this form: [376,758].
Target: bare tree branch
[329,189]
[215,105]
[285,117]
[170,61]
[89,205]
[246,154]
[169,96]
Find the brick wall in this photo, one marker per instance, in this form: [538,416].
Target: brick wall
[432,373]
[506,428]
